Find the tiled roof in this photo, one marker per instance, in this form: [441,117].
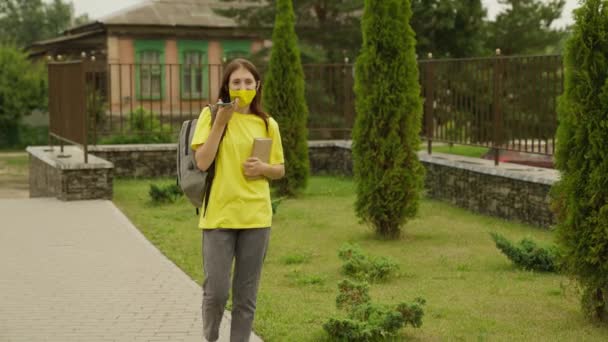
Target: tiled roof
[174,13]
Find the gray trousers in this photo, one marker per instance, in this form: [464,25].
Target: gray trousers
[220,246]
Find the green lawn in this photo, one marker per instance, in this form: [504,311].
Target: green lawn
[14,161]
[462,150]
[14,170]
[446,256]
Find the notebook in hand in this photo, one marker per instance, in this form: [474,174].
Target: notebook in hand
[261,149]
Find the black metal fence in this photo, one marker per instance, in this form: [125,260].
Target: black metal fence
[154,99]
[504,103]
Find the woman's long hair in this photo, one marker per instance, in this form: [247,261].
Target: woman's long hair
[256,104]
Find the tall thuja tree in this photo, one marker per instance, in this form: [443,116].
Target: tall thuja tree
[388,174]
[284,99]
[581,196]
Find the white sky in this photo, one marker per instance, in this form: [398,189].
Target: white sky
[100,8]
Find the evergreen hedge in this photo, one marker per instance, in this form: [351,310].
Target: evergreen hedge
[580,198]
[284,100]
[388,174]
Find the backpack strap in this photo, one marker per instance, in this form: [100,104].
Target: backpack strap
[187,138]
[211,169]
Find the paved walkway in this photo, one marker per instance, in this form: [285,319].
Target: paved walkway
[80,271]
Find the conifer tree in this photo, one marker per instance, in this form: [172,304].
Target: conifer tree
[284,99]
[580,198]
[388,174]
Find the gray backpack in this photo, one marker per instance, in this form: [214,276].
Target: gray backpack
[194,183]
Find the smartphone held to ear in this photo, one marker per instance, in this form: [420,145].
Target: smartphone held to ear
[225,101]
[224,104]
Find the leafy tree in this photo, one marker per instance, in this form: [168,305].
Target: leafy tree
[388,174]
[525,27]
[331,30]
[448,28]
[59,16]
[284,99]
[23,22]
[22,89]
[581,195]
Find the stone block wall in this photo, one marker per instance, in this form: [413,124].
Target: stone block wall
[507,196]
[68,178]
[86,184]
[330,157]
[44,178]
[509,191]
[159,160]
[140,161]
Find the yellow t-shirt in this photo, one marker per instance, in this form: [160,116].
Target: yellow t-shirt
[235,201]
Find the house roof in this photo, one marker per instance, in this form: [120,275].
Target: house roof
[61,39]
[156,13]
[199,13]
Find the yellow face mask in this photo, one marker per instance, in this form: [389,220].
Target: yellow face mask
[245,96]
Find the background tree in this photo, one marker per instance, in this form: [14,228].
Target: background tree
[59,17]
[23,22]
[448,28]
[22,89]
[331,30]
[388,175]
[328,30]
[284,99]
[581,195]
[525,27]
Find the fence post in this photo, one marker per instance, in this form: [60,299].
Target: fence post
[497,114]
[346,98]
[49,71]
[428,103]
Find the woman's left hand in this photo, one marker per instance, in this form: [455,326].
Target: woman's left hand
[253,167]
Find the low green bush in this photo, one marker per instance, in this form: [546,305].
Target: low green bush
[363,267]
[164,194]
[143,127]
[527,254]
[367,321]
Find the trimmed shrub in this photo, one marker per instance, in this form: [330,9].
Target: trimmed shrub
[363,267]
[164,194]
[580,197]
[527,255]
[388,174]
[284,100]
[367,321]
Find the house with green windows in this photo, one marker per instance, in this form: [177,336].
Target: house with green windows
[163,55]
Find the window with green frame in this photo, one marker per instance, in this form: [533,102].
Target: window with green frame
[235,49]
[194,69]
[149,69]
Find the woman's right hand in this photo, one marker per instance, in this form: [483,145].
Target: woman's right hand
[224,113]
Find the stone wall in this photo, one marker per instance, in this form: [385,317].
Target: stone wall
[66,176]
[158,160]
[153,160]
[509,191]
[44,178]
[330,157]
